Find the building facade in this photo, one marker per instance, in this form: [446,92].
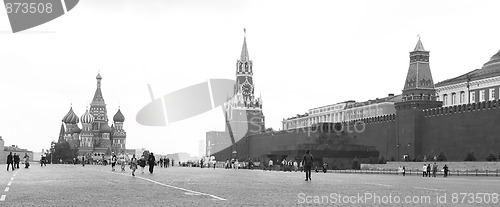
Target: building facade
[342,112]
[95,138]
[475,86]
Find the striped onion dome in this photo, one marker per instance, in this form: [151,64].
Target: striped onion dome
[87,118]
[71,117]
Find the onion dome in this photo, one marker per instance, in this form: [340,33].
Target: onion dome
[119,117]
[493,63]
[98,76]
[71,117]
[87,118]
[106,129]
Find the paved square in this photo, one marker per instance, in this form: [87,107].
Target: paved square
[74,185]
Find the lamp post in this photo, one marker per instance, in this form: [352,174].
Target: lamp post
[397,146]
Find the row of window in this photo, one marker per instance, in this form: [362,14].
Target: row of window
[461,99]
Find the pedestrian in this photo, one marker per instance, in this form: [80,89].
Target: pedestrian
[113,162]
[16,160]
[325,166]
[445,169]
[142,163]
[173,162]
[121,159]
[161,162]
[270,164]
[307,161]
[236,164]
[434,170]
[295,165]
[429,170]
[168,162]
[151,162]
[26,160]
[424,170]
[42,161]
[133,164]
[10,161]
[404,170]
[83,160]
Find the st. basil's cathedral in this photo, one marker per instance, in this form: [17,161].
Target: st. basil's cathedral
[95,137]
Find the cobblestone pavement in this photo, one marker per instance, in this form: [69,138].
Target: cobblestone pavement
[74,185]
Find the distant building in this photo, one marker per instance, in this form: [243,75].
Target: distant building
[344,111]
[5,150]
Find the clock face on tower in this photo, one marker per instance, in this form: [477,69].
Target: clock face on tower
[246,89]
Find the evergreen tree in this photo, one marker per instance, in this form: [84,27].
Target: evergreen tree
[470,156]
[442,157]
[62,151]
[491,158]
[355,164]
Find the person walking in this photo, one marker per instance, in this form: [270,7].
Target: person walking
[307,161]
[151,162]
[445,169]
[83,160]
[434,170]
[133,164]
[16,160]
[121,159]
[429,170]
[10,161]
[142,163]
[113,162]
[424,170]
[26,160]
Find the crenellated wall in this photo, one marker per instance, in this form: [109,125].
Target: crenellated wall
[455,130]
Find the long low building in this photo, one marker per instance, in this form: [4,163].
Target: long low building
[344,111]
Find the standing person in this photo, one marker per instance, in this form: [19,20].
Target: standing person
[173,162]
[168,162]
[295,165]
[122,161]
[133,164]
[10,161]
[161,162]
[429,170]
[424,170]
[113,162]
[434,170]
[270,164]
[26,160]
[142,163]
[307,161]
[445,169]
[83,160]
[16,160]
[404,170]
[151,162]
[42,161]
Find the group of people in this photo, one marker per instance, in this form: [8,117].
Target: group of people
[426,170]
[122,159]
[306,163]
[14,160]
[165,162]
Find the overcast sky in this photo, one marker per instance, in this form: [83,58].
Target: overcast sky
[306,54]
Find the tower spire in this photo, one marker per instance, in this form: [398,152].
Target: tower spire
[244,50]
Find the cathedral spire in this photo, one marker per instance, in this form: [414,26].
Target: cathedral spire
[98,99]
